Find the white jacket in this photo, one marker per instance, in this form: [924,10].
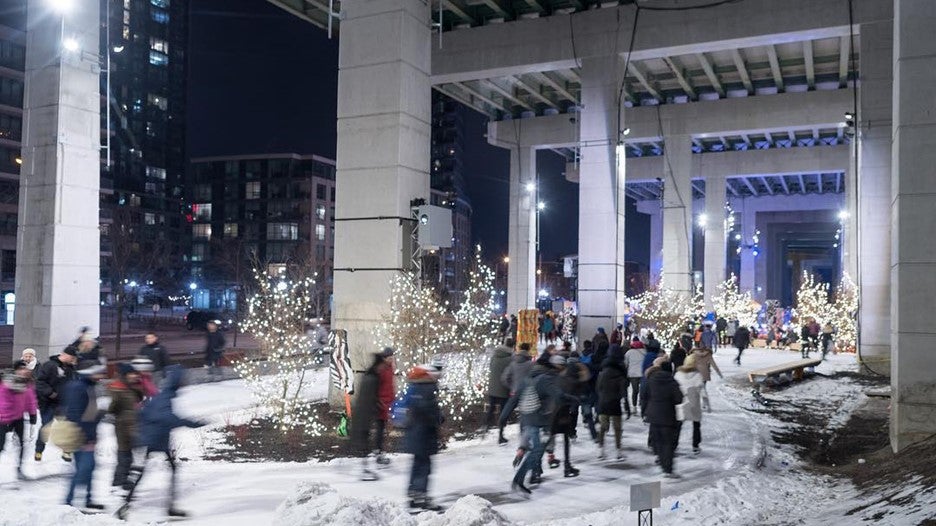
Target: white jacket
[633,362]
[690,383]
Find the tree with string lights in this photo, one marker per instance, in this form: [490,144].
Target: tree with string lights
[844,313]
[278,313]
[666,312]
[812,301]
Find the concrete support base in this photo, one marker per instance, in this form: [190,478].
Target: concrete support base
[58,238]
[913,271]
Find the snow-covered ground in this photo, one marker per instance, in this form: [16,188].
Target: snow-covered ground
[739,478]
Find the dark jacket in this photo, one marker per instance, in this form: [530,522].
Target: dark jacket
[544,379]
[500,361]
[600,338]
[721,324]
[574,381]
[612,386]
[51,378]
[742,338]
[601,353]
[365,409]
[423,415]
[157,419]
[158,355]
[214,343]
[81,407]
[124,405]
[660,397]
[678,356]
[93,355]
[652,354]
[516,372]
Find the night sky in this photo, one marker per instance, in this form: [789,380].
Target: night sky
[264,81]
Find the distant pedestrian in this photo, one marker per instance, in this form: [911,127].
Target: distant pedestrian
[214,347]
[617,335]
[708,338]
[611,387]
[677,355]
[741,340]
[721,326]
[662,395]
[633,363]
[157,353]
[827,339]
[599,338]
[498,391]
[422,432]
[17,400]
[51,380]
[81,409]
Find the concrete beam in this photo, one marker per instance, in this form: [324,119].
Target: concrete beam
[707,119]
[710,73]
[545,44]
[742,70]
[775,66]
[810,67]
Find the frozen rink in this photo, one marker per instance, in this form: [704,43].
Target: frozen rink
[740,477]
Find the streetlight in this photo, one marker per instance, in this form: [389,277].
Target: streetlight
[70,44]
[506,259]
[703,219]
[62,6]
[531,187]
[193,286]
[541,206]
[843,215]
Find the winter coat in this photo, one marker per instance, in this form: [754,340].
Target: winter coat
[742,338]
[600,338]
[633,361]
[51,380]
[705,363]
[13,404]
[686,341]
[721,325]
[214,344]
[601,354]
[124,405]
[365,409]
[423,415]
[616,337]
[612,386]
[690,383]
[573,382]
[386,391]
[81,407]
[660,397]
[544,380]
[500,361]
[678,356]
[517,371]
[709,339]
[157,419]
[157,354]
[649,357]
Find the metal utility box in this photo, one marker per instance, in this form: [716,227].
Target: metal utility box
[434,227]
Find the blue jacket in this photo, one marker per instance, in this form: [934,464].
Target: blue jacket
[422,431]
[81,407]
[709,339]
[157,420]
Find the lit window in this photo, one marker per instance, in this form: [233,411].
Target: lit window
[282,231]
[126,32]
[160,3]
[126,17]
[158,59]
[320,212]
[201,231]
[149,218]
[126,4]
[320,232]
[199,252]
[160,16]
[134,200]
[156,173]
[230,229]
[202,211]
[252,190]
[158,102]
[158,44]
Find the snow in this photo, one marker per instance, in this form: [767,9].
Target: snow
[740,477]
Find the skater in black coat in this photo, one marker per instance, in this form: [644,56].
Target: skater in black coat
[662,396]
[611,387]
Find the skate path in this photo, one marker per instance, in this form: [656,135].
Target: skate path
[733,442]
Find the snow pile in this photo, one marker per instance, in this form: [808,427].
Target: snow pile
[45,515]
[315,503]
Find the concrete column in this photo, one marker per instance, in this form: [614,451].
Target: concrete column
[521,239]
[874,193]
[850,223]
[58,238]
[652,208]
[913,272]
[746,281]
[383,157]
[677,213]
[716,263]
[601,201]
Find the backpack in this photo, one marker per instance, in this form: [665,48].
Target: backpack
[529,402]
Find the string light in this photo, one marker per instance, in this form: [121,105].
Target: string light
[666,312]
[732,304]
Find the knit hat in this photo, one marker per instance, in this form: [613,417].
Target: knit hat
[123,369]
[71,350]
[601,330]
[557,360]
[386,351]
[29,350]
[142,364]
[423,373]
[90,368]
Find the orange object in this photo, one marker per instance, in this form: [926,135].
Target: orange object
[528,328]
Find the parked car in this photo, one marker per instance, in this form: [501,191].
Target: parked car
[198,319]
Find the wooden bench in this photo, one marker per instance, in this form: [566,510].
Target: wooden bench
[759,376]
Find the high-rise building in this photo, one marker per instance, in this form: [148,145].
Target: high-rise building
[449,189]
[272,211]
[12,67]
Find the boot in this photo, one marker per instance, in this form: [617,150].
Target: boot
[620,454]
[601,452]
[123,511]
[553,461]
[19,475]
[367,474]
[570,471]
[536,478]
[177,513]
[381,459]
[518,458]
[518,487]
[94,506]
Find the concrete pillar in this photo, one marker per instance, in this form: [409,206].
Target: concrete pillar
[874,193]
[913,274]
[746,281]
[850,223]
[652,208]
[521,240]
[601,201]
[383,157]
[716,262]
[677,213]
[58,238]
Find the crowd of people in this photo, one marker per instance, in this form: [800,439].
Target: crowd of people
[57,401]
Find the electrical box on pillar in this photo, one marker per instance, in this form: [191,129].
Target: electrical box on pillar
[434,227]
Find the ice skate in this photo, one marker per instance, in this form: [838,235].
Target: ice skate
[570,471]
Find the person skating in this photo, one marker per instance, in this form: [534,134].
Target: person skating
[386,393]
[539,397]
[367,412]
[705,362]
[662,394]
[81,409]
[126,396]
[157,419]
[214,346]
[721,325]
[144,366]
[50,385]
[677,355]
[422,432]
[633,363]
[599,338]
[498,392]
[826,339]
[573,381]
[690,383]
[513,376]
[17,398]
[741,340]
[617,335]
[157,353]
[708,339]
[590,399]
[651,355]
[611,388]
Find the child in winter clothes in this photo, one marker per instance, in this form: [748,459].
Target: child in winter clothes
[422,431]
[17,397]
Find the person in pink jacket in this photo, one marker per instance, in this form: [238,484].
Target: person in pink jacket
[17,398]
